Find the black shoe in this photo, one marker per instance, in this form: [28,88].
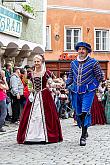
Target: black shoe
[82,141]
[2,130]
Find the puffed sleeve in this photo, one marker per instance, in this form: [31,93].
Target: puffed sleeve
[70,77]
[98,73]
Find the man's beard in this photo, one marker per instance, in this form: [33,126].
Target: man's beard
[81,55]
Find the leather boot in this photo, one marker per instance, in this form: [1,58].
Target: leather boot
[2,130]
[83,136]
[82,141]
[87,135]
[84,132]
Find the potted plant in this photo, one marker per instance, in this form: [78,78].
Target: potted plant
[28,8]
[25,9]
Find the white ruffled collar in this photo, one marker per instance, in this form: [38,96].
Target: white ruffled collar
[83,59]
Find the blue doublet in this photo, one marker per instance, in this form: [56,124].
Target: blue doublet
[83,80]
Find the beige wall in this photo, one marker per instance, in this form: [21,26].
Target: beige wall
[97,4]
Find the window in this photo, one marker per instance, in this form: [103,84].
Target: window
[48,38]
[73,35]
[101,40]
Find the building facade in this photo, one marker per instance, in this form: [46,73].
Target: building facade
[22,30]
[69,22]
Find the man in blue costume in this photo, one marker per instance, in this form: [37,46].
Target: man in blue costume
[84,78]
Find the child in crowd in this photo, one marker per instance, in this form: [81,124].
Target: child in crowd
[63,104]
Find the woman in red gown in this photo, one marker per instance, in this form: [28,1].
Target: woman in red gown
[39,120]
[97,112]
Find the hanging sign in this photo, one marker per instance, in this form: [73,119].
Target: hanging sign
[10,22]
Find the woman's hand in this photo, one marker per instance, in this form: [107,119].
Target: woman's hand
[3,86]
[31,90]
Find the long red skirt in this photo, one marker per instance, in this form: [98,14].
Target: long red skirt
[52,121]
[97,112]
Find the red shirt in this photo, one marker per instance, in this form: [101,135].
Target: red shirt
[2,95]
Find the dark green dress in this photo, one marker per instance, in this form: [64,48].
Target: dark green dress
[107,107]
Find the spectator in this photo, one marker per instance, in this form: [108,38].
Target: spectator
[97,111]
[23,76]
[8,67]
[3,107]
[107,106]
[16,87]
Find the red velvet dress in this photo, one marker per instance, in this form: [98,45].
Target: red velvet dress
[39,120]
[97,112]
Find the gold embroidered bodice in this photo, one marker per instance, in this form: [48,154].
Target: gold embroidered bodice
[37,84]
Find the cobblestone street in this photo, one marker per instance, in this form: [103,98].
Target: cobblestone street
[68,152]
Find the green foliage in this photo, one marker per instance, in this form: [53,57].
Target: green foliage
[28,8]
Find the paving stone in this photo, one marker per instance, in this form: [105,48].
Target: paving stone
[68,152]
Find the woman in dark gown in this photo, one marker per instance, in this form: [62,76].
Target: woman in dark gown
[97,112]
[39,120]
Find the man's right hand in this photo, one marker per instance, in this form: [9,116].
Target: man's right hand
[18,96]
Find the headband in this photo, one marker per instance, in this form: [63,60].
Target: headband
[39,56]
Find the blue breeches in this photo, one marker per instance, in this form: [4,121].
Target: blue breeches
[82,104]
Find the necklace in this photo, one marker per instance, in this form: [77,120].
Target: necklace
[37,74]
